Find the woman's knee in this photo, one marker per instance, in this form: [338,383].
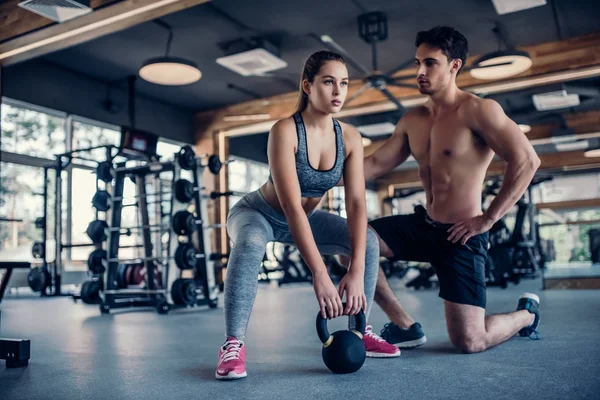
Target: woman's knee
[251,238]
[372,244]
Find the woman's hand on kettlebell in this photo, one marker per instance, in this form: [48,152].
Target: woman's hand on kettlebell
[328,298]
[354,286]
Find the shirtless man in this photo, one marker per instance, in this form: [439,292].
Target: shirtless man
[453,137]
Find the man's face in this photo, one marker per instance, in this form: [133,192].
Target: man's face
[434,70]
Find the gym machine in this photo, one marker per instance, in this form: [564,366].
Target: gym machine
[517,254]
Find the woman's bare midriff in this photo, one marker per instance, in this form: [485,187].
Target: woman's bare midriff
[268,192]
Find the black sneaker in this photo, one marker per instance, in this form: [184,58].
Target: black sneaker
[531,303]
[404,338]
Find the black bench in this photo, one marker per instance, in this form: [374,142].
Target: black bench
[9,266]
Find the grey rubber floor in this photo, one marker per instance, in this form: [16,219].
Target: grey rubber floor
[137,354]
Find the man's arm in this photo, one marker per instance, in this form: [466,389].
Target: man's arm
[507,140]
[389,155]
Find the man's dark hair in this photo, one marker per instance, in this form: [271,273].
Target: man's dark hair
[450,41]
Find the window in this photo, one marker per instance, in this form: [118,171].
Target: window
[20,198]
[87,135]
[372,205]
[245,176]
[32,132]
[166,150]
[562,188]
[31,136]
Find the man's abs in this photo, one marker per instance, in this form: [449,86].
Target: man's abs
[452,195]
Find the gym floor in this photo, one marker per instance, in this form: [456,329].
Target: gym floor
[137,354]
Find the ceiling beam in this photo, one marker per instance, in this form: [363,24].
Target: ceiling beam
[551,162]
[16,21]
[553,62]
[107,20]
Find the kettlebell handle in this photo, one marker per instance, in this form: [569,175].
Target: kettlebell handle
[323,331]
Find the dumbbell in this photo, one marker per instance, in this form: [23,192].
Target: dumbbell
[184,191]
[187,160]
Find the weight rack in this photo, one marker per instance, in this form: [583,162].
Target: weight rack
[114,296]
[205,290]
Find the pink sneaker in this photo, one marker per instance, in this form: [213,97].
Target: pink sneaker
[232,360]
[377,347]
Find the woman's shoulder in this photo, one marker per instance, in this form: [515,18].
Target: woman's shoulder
[349,132]
[284,125]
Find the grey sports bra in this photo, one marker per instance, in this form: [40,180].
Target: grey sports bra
[314,182]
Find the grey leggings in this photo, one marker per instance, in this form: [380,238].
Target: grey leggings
[251,224]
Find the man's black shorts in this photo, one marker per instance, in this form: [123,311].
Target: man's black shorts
[460,268]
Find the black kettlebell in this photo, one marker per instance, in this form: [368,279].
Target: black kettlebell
[344,351]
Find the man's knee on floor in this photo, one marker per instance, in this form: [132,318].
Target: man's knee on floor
[468,342]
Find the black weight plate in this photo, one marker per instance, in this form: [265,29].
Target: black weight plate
[185,256]
[183,222]
[101,200]
[121,280]
[184,190]
[40,222]
[95,231]
[104,171]
[90,291]
[37,279]
[214,164]
[95,261]
[187,158]
[177,291]
[37,250]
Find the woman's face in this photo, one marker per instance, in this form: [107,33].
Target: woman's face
[328,91]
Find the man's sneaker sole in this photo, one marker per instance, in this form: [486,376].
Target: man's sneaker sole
[411,343]
[231,376]
[373,354]
[532,296]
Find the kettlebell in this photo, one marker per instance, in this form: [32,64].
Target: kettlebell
[344,351]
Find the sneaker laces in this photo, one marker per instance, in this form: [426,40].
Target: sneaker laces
[369,332]
[231,350]
[537,335]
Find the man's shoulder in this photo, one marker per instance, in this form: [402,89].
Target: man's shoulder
[414,115]
[474,105]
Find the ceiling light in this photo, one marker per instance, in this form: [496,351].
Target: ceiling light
[578,145]
[592,153]
[555,100]
[525,128]
[167,70]
[501,64]
[170,71]
[366,141]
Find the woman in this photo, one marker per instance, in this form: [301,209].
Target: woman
[308,154]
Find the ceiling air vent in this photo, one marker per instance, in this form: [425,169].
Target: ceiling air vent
[57,10]
[251,57]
